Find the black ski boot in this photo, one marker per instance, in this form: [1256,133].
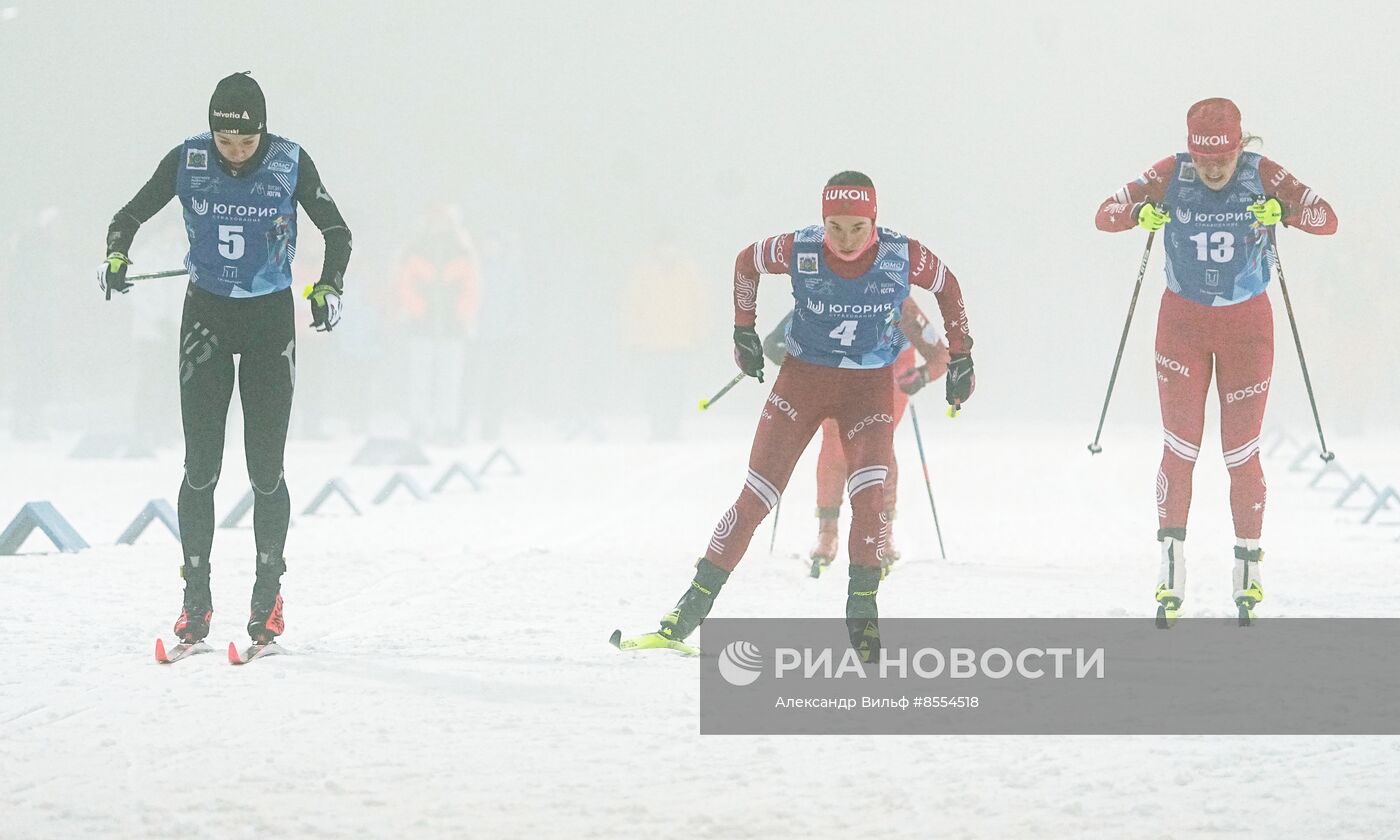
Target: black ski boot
[198,610]
[862,615]
[265,614]
[695,604]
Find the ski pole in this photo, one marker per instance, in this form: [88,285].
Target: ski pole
[919,438]
[704,404]
[777,511]
[1326,454]
[157,275]
[1094,447]
[179,272]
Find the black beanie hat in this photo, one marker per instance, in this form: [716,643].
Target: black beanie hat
[237,106]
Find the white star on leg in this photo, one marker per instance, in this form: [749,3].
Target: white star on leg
[869,540]
[1258,505]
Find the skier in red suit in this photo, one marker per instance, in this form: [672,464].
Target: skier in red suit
[1217,205]
[925,335]
[849,282]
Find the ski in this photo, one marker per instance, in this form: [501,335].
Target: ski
[651,641]
[253,651]
[180,651]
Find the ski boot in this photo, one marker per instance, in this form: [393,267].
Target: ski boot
[197,611]
[692,608]
[265,610]
[1248,588]
[862,614]
[828,536]
[891,554]
[687,615]
[1171,576]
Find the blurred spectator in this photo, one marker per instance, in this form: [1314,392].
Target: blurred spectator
[663,320]
[437,297]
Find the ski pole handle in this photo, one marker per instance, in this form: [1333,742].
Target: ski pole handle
[704,404]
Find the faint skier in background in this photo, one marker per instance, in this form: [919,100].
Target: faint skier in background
[437,297]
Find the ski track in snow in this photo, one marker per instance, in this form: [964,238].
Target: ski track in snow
[449,672]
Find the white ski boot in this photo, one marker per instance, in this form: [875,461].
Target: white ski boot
[1248,588]
[1171,576]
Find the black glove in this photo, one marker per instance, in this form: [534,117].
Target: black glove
[325,306]
[748,352]
[111,277]
[961,381]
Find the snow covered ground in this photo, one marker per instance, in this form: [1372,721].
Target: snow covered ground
[452,676]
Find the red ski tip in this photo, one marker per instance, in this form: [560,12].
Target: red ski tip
[233,657]
[160,652]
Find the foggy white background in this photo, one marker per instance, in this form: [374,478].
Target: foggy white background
[579,137]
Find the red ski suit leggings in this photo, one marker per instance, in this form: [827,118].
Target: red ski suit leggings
[831,463]
[1238,342]
[804,394]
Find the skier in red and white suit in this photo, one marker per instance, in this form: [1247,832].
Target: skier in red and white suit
[849,280]
[1217,205]
[909,378]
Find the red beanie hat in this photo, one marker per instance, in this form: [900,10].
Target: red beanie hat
[1213,128]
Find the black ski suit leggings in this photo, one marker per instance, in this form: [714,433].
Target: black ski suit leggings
[260,331]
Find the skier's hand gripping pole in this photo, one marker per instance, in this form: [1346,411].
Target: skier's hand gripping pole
[959,382]
[325,305]
[748,352]
[112,276]
[1094,447]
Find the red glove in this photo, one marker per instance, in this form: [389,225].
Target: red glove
[913,380]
